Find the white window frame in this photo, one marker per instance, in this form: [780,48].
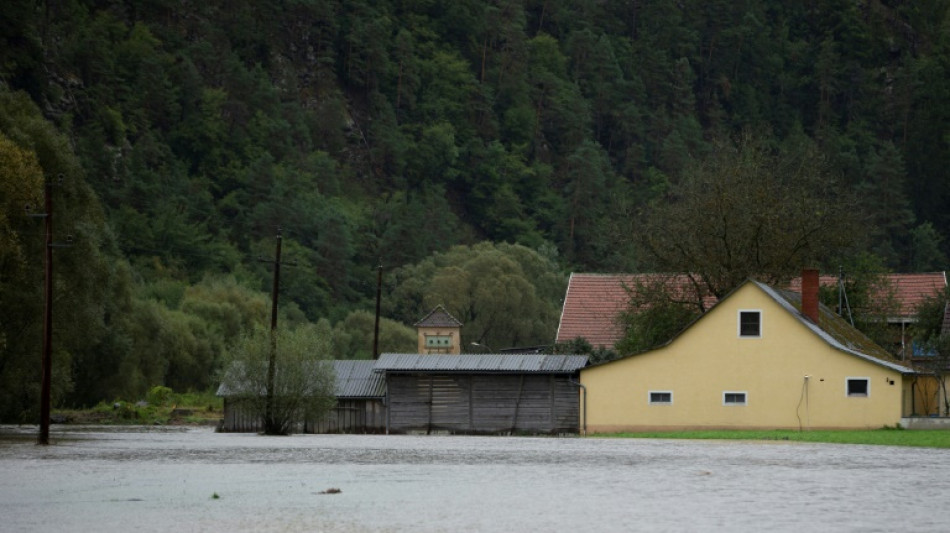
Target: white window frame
[745,398]
[847,382]
[739,323]
[652,392]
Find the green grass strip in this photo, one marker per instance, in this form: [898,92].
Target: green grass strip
[935,438]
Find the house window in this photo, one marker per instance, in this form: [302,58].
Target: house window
[733,398]
[750,323]
[661,397]
[859,387]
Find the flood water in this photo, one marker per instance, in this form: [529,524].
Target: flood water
[166,479]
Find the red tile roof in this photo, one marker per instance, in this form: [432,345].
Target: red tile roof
[908,290]
[594,302]
[911,290]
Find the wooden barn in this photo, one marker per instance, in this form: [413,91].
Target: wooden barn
[359,401]
[482,393]
[359,391]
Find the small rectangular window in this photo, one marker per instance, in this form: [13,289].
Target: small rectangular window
[438,341]
[750,323]
[859,387]
[733,398]
[661,397]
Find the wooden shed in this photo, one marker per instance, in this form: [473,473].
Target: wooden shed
[482,393]
[359,401]
[360,393]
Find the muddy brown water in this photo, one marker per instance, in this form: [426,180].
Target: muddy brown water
[192,479]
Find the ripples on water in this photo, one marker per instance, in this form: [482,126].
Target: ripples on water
[164,480]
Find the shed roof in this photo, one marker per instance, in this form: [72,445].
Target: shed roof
[356,379]
[438,318]
[481,363]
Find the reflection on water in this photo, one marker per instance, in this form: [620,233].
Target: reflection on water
[165,479]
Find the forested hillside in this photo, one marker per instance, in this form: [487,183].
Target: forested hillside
[384,133]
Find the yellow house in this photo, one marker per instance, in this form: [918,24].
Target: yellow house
[754,360]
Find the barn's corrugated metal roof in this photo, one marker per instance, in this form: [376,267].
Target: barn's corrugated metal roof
[488,363]
[356,379]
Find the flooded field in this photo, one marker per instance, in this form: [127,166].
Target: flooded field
[182,480]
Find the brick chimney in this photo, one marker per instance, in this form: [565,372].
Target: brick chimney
[810,294]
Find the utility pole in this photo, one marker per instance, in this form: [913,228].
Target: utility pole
[46,360]
[269,417]
[272,359]
[379,292]
[840,290]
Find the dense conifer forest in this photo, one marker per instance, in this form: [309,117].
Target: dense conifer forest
[476,151]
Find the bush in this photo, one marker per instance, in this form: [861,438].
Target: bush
[159,396]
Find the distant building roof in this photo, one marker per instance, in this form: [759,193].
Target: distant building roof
[906,291]
[481,363]
[356,379]
[911,290]
[594,303]
[438,318]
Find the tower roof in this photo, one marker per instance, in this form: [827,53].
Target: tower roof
[438,318]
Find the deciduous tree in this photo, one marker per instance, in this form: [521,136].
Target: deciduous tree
[748,210]
[303,381]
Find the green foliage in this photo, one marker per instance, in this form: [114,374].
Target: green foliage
[580,346]
[388,132]
[303,379]
[505,295]
[867,300]
[926,249]
[353,336]
[928,331]
[748,210]
[159,395]
[654,316]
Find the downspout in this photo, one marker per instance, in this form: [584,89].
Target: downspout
[584,410]
[386,406]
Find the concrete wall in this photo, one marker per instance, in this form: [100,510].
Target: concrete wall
[925,423]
